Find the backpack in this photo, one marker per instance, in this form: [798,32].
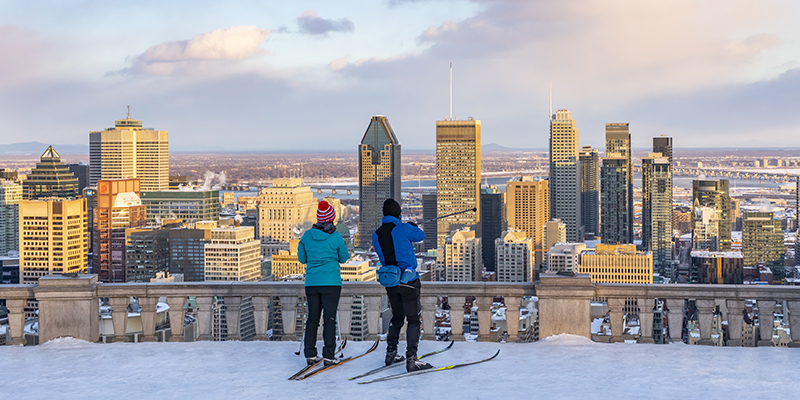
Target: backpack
[389,275]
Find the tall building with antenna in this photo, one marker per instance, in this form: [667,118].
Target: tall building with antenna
[565,174]
[129,151]
[379,176]
[458,175]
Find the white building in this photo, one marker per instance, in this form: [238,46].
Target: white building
[460,259]
[515,262]
[233,255]
[564,257]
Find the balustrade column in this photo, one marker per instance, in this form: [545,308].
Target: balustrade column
[233,313]
[705,316]
[735,321]
[428,316]
[119,316]
[16,320]
[766,322]
[176,316]
[373,316]
[345,312]
[512,317]
[148,313]
[204,319]
[646,306]
[456,317]
[794,322]
[616,308]
[675,319]
[261,314]
[289,316]
[484,317]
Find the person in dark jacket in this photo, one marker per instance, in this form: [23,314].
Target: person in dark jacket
[392,241]
[321,249]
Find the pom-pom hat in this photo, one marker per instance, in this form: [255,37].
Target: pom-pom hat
[325,213]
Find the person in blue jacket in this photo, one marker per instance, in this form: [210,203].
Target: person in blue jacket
[321,249]
[392,241]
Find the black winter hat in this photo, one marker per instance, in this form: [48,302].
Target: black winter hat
[391,207]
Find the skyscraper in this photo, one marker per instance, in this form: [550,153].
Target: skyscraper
[618,144]
[663,145]
[146,253]
[615,221]
[81,172]
[459,259]
[492,223]
[118,208]
[715,196]
[10,196]
[129,151]
[233,255]
[187,205]
[53,237]
[379,176]
[657,212]
[458,175]
[50,178]
[514,257]
[429,213]
[287,209]
[187,253]
[590,190]
[762,241]
[565,174]
[528,210]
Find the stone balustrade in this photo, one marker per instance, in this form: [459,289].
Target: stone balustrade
[69,306]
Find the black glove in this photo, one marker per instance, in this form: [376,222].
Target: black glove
[412,224]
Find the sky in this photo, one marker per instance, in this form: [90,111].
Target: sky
[308,75]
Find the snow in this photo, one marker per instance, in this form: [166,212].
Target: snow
[564,366]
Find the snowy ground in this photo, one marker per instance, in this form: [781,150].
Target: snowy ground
[559,367]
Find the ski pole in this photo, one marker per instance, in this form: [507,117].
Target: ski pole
[303,338]
[473,209]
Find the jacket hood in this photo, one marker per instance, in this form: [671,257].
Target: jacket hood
[390,218]
[322,231]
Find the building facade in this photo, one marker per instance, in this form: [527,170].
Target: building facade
[762,241]
[514,260]
[50,178]
[492,222]
[709,267]
[53,237]
[565,174]
[458,175]
[379,176]
[618,144]
[186,205]
[617,264]
[286,210]
[233,254]
[460,258]
[118,208]
[187,253]
[564,257]
[657,212]
[285,263]
[146,253]
[615,220]
[528,210]
[129,151]
[590,190]
[10,196]
[716,196]
[663,145]
[430,229]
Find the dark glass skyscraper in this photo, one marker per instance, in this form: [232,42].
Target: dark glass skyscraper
[565,174]
[492,224]
[590,190]
[657,212]
[615,221]
[618,145]
[713,231]
[428,213]
[663,145]
[379,176]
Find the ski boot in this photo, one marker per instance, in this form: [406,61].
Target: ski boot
[392,357]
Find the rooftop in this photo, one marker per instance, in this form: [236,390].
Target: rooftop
[563,366]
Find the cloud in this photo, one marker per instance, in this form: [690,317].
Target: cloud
[312,24]
[25,56]
[232,44]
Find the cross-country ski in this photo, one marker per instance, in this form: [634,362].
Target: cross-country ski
[342,361]
[425,371]
[384,368]
[308,367]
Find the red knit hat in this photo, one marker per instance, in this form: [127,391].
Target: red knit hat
[325,213]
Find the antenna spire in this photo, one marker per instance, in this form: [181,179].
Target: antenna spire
[129,113]
[551,99]
[451,90]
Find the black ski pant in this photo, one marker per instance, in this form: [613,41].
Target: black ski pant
[404,300]
[322,301]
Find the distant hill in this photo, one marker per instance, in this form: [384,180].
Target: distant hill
[37,148]
[496,147]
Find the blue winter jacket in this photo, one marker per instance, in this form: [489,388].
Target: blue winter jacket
[392,242]
[322,252]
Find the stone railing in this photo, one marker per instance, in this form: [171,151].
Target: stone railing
[69,306]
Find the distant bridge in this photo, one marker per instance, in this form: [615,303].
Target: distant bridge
[728,174]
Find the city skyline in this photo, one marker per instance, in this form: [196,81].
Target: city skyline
[229,69]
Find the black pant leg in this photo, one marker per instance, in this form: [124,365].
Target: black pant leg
[413,309]
[314,303]
[330,303]
[398,317]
